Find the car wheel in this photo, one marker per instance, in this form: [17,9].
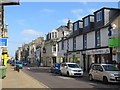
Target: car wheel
[90,77]
[68,74]
[105,80]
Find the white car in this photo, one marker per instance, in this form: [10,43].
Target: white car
[104,72]
[71,69]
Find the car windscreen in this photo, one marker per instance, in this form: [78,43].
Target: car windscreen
[110,68]
[18,62]
[73,66]
[57,65]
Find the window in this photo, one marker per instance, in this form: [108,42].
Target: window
[58,46]
[54,48]
[80,24]
[67,44]
[86,22]
[98,38]
[74,43]
[85,41]
[62,45]
[52,34]
[55,34]
[75,26]
[99,16]
[49,35]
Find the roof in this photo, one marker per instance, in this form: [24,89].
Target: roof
[87,16]
[78,21]
[111,20]
[106,8]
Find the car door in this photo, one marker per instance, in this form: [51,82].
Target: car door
[100,73]
[93,71]
[65,69]
[62,68]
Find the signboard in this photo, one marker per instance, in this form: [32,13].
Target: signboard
[9,2]
[114,42]
[98,51]
[3,42]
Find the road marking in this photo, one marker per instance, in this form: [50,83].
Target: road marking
[62,77]
[93,84]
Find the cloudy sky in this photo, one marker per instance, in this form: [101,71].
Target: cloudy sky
[30,20]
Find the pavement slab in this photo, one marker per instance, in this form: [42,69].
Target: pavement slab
[20,79]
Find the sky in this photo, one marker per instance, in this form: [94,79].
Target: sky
[30,20]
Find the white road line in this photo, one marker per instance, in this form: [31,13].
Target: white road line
[62,77]
[93,84]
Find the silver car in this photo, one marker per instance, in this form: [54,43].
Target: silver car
[104,72]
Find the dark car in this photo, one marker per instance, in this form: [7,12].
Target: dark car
[19,64]
[24,63]
[55,68]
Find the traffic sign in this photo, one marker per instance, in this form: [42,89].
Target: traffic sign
[3,42]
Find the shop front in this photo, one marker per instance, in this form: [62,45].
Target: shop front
[98,56]
[75,57]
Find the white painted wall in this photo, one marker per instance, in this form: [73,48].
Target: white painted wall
[71,44]
[104,37]
[91,40]
[79,42]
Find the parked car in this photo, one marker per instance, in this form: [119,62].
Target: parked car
[71,69]
[104,72]
[13,62]
[19,64]
[24,63]
[55,68]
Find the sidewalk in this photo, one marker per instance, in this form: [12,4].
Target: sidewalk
[20,79]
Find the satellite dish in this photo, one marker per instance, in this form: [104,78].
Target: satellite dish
[114,26]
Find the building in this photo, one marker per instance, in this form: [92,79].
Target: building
[51,45]
[18,54]
[34,51]
[95,39]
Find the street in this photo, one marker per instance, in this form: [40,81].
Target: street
[42,74]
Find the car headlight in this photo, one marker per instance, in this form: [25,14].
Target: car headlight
[112,75]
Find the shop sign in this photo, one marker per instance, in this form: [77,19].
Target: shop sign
[98,51]
[77,52]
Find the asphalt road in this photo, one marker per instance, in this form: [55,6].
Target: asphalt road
[51,80]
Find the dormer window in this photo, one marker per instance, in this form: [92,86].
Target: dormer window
[75,26]
[86,22]
[99,16]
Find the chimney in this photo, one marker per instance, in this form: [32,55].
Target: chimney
[69,25]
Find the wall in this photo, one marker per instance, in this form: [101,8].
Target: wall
[71,44]
[79,42]
[91,40]
[104,37]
